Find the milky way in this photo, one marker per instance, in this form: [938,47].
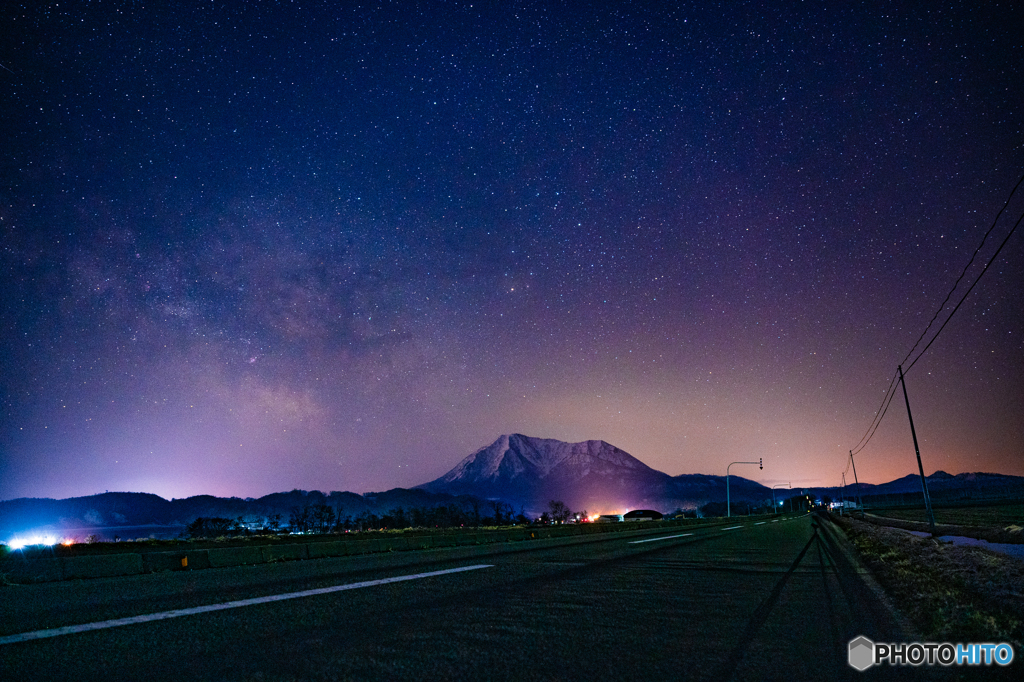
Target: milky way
[250,247]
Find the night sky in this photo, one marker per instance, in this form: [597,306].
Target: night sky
[251,247]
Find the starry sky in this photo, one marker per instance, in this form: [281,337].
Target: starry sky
[251,247]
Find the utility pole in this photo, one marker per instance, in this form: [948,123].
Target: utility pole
[842,496]
[728,501]
[917,450]
[860,503]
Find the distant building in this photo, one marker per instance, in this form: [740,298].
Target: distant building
[609,518]
[642,515]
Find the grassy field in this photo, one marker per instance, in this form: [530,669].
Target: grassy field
[951,592]
[1000,516]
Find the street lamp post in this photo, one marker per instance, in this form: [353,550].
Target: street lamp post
[728,500]
[774,506]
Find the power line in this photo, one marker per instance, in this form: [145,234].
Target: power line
[877,422]
[883,408]
[966,267]
[968,292]
[879,413]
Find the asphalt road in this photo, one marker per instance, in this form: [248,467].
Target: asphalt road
[776,600]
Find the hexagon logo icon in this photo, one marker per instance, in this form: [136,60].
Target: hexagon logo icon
[862,653]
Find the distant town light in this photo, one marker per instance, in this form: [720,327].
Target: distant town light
[21,543]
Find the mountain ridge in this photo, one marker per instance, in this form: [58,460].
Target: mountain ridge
[522,471]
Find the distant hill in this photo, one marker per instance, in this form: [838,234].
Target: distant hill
[124,510]
[942,487]
[591,475]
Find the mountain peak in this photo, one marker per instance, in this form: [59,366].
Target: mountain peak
[516,454]
[520,467]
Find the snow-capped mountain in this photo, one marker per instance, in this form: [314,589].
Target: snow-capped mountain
[592,475]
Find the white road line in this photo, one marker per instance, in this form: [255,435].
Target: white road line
[760,523]
[163,615]
[732,527]
[775,520]
[666,537]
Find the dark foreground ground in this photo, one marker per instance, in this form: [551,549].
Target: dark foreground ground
[778,600]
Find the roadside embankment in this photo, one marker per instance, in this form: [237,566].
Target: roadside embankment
[950,592]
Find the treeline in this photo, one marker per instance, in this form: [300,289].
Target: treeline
[319,519]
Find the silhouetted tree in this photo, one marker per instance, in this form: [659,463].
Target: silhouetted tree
[560,513]
[503,512]
[321,518]
[209,527]
[712,509]
[474,506]
[299,519]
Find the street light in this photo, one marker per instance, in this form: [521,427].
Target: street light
[728,501]
[774,506]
